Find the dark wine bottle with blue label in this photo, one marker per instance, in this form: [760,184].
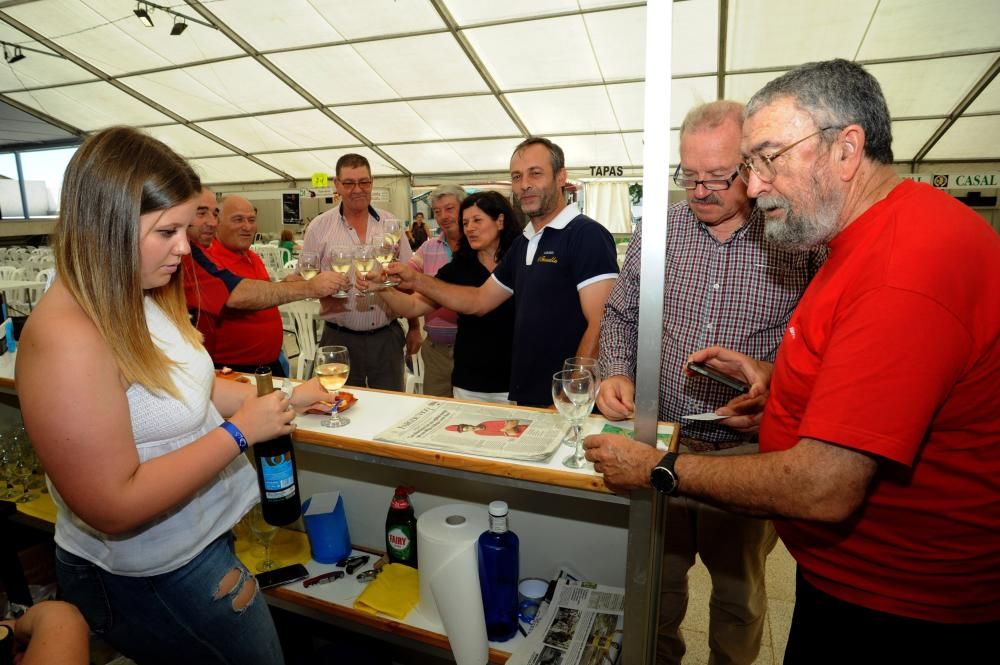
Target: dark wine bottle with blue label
[277,476]
[498,575]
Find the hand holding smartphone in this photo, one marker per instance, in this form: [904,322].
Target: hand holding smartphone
[718,377]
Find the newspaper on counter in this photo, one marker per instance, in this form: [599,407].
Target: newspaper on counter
[582,625]
[493,431]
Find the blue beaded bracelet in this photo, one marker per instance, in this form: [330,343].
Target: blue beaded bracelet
[237,435]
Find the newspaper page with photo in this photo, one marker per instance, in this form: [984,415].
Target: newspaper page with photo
[493,431]
[582,626]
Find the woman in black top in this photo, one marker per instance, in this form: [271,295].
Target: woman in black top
[483,343]
[417,234]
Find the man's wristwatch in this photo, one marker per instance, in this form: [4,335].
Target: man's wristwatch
[663,478]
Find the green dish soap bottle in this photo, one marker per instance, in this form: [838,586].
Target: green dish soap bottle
[401,529]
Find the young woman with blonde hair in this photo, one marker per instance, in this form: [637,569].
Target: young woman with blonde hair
[122,404]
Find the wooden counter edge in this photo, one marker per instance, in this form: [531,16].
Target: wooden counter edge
[484,465]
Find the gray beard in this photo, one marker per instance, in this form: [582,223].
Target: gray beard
[801,232]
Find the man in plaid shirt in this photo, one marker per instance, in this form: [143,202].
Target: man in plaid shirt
[724,285]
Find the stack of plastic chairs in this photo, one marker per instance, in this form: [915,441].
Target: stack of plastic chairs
[302,318]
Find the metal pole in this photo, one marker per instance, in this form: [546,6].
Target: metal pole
[20,182]
[645,529]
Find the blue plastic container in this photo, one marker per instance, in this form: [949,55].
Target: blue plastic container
[329,538]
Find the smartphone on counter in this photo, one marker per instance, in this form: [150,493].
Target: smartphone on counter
[718,377]
[279,576]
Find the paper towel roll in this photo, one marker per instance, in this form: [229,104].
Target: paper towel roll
[449,577]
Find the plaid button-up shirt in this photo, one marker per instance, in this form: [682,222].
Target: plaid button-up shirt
[738,294]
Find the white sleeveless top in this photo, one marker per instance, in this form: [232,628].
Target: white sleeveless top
[162,424]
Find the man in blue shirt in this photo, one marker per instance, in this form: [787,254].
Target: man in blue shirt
[562,270]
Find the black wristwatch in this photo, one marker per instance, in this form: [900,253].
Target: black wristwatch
[663,478]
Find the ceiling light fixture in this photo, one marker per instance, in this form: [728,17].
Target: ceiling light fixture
[179,26]
[17,57]
[142,12]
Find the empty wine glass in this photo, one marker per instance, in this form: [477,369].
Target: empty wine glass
[591,365]
[341,259]
[308,264]
[21,464]
[264,533]
[8,466]
[573,393]
[333,366]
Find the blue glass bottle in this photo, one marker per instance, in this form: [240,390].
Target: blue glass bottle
[498,575]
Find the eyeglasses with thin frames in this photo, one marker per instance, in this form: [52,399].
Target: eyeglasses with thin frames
[712,184]
[351,184]
[763,166]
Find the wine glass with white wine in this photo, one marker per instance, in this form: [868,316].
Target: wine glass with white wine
[573,393]
[341,259]
[333,366]
[364,264]
[385,253]
[308,264]
[392,230]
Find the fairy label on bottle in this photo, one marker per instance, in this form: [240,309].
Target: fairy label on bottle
[400,540]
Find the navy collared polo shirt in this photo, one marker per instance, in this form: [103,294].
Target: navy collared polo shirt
[548,321]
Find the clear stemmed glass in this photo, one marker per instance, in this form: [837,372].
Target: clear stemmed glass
[8,466]
[333,366]
[385,253]
[23,463]
[264,533]
[573,393]
[341,260]
[308,264]
[393,230]
[364,264]
[590,364]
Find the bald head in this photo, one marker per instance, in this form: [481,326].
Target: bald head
[237,224]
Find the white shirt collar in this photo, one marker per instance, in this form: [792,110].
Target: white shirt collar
[565,216]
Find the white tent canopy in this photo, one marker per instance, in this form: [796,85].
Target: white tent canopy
[278,90]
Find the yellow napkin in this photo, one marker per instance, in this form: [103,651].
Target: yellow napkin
[394,592]
[41,508]
[288,547]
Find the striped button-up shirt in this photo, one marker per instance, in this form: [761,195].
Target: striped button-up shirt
[330,230]
[738,294]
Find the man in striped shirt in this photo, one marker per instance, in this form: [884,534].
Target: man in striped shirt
[723,284]
[364,324]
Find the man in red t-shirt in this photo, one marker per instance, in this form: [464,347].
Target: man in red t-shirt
[880,440]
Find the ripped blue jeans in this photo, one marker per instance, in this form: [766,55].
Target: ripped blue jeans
[207,612]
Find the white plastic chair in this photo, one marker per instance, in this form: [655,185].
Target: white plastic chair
[303,316]
[7,272]
[271,256]
[415,378]
[44,275]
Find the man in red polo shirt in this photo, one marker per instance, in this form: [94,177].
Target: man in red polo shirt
[211,288]
[250,337]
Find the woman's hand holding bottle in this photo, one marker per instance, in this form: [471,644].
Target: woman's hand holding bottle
[264,418]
